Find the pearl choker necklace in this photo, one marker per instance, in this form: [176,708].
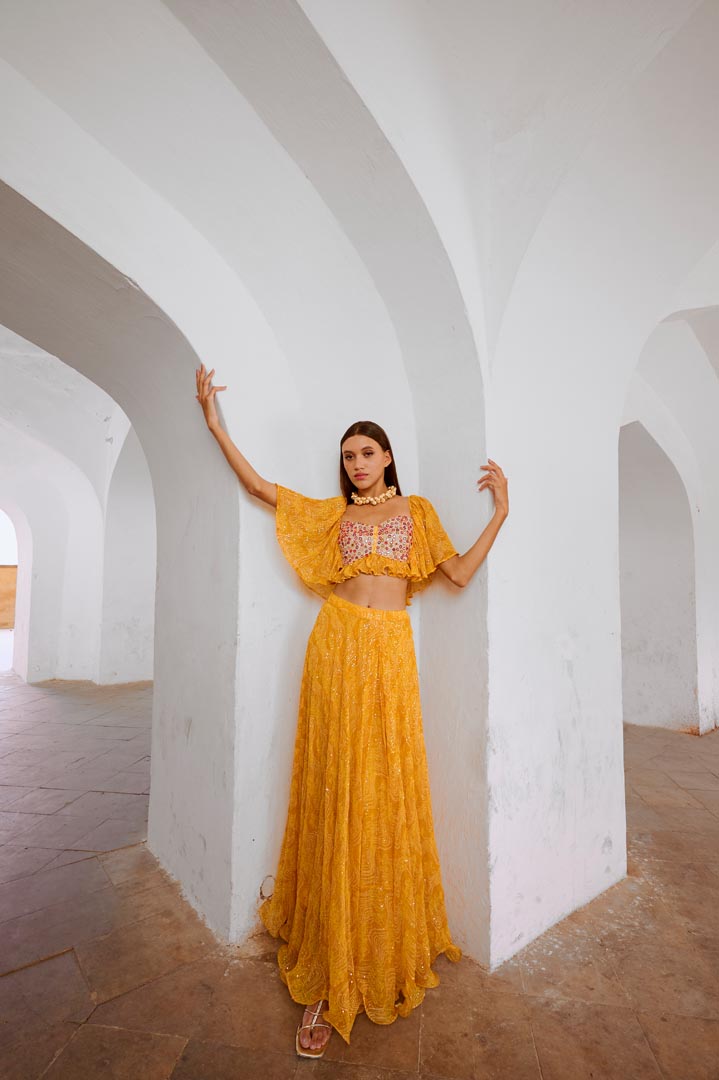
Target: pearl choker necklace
[374,500]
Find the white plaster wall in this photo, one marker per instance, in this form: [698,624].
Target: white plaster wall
[656,556]
[700,287]
[8,541]
[59,571]
[129,564]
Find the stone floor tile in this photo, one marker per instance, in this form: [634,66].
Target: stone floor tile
[63,858]
[641,816]
[260,945]
[116,1054]
[390,1046]
[143,898]
[685,1048]
[467,976]
[708,798]
[642,776]
[129,781]
[6,836]
[666,796]
[102,805]
[506,1049]
[217,1061]
[89,779]
[156,879]
[14,824]
[699,779]
[30,938]
[23,776]
[52,991]
[111,834]
[695,906]
[669,845]
[581,971]
[501,1041]
[46,801]
[136,861]
[17,861]
[132,759]
[133,954]
[58,831]
[449,1026]
[633,911]
[43,757]
[47,887]
[252,1007]
[10,794]
[172,1004]
[579,1041]
[681,980]
[31,1051]
[337,1070]
[686,874]
[686,819]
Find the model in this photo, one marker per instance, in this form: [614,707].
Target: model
[358,897]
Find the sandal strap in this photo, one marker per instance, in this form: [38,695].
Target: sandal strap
[315,1013]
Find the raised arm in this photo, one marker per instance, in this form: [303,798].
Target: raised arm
[252,481]
[461,568]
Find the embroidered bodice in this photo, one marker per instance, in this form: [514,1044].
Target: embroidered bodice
[325,548]
[391,538]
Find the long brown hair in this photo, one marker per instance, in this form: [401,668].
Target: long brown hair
[373,431]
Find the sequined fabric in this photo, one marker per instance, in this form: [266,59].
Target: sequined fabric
[308,531]
[358,897]
[391,537]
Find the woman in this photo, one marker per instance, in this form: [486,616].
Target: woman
[358,896]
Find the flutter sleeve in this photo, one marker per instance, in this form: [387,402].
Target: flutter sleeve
[307,532]
[431,545]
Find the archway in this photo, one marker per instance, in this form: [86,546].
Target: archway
[59,294]
[8,590]
[657,587]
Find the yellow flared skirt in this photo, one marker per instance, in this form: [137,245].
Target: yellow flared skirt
[358,896]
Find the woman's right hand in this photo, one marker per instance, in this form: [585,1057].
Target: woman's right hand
[206,395]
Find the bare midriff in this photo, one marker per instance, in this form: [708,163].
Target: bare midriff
[374,591]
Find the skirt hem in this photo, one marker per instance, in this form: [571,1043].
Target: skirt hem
[401,1009]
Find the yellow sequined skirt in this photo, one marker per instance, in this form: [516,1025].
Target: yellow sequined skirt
[358,896]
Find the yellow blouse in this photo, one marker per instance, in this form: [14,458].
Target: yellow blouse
[308,533]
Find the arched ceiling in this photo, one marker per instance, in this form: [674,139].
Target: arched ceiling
[60,408]
[490,106]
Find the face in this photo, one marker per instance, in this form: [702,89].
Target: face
[364,461]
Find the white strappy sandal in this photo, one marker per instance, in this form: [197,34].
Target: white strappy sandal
[307,1051]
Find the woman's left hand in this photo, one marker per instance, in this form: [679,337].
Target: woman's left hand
[497,481]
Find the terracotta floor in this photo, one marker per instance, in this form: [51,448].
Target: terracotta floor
[107,972]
